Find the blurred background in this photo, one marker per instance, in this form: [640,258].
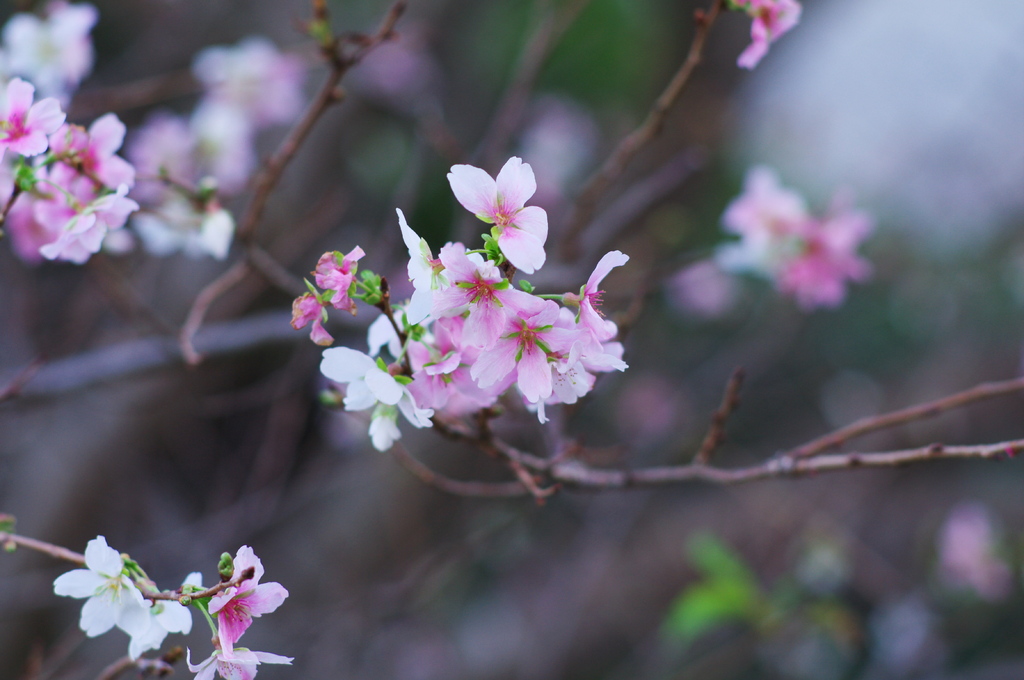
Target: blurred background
[915,107]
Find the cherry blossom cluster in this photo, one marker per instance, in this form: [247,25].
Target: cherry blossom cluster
[119,594]
[63,186]
[467,335]
[771,18]
[185,164]
[808,257]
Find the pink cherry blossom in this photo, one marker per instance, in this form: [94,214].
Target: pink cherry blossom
[476,285]
[772,18]
[524,348]
[522,230]
[426,273]
[236,606]
[83,226]
[589,299]
[94,152]
[24,126]
[239,664]
[163,145]
[306,308]
[336,272]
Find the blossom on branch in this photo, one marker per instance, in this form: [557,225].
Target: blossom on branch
[521,231]
[113,598]
[240,664]
[236,606]
[24,125]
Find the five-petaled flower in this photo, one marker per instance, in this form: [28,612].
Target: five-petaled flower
[236,606]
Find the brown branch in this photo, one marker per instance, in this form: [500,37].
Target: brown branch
[50,549]
[18,382]
[716,433]
[596,186]
[269,177]
[927,410]
[207,296]
[454,486]
[578,475]
[161,667]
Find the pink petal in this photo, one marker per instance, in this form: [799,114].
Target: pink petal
[106,135]
[533,220]
[534,374]
[484,325]
[19,98]
[496,363]
[515,185]
[267,657]
[474,189]
[525,251]
[610,260]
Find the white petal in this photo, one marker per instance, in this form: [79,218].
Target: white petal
[78,583]
[474,189]
[101,558]
[384,386]
[343,364]
[98,616]
[174,617]
[359,397]
[516,184]
[267,657]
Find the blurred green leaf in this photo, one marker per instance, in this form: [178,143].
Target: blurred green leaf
[728,592]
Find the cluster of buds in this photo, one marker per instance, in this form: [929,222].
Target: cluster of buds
[467,335]
[808,257]
[120,594]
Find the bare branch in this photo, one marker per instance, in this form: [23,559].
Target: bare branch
[927,410]
[454,486]
[586,203]
[716,433]
[18,382]
[207,296]
[41,546]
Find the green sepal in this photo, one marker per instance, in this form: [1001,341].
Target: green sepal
[403,379]
[7,523]
[24,175]
[312,289]
[526,286]
[381,365]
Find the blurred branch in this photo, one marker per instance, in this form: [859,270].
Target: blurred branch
[454,486]
[929,409]
[18,382]
[95,101]
[510,110]
[597,185]
[268,178]
[50,549]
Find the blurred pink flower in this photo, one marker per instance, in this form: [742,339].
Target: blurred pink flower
[54,53]
[95,151]
[239,664]
[82,227]
[967,547]
[306,308]
[772,18]
[336,272]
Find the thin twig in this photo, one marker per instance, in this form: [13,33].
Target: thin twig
[716,433]
[454,486]
[929,409]
[207,296]
[596,186]
[50,549]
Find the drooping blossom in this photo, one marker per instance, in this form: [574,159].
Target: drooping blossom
[163,146]
[771,18]
[113,598]
[426,273]
[240,664]
[235,607]
[522,231]
[589,298]
[370,385]
[24,125]
[254,78]
[54,53]
[336,272]
[94,152]
[306,308]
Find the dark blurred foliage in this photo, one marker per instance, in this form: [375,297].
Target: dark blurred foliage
[391,579]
